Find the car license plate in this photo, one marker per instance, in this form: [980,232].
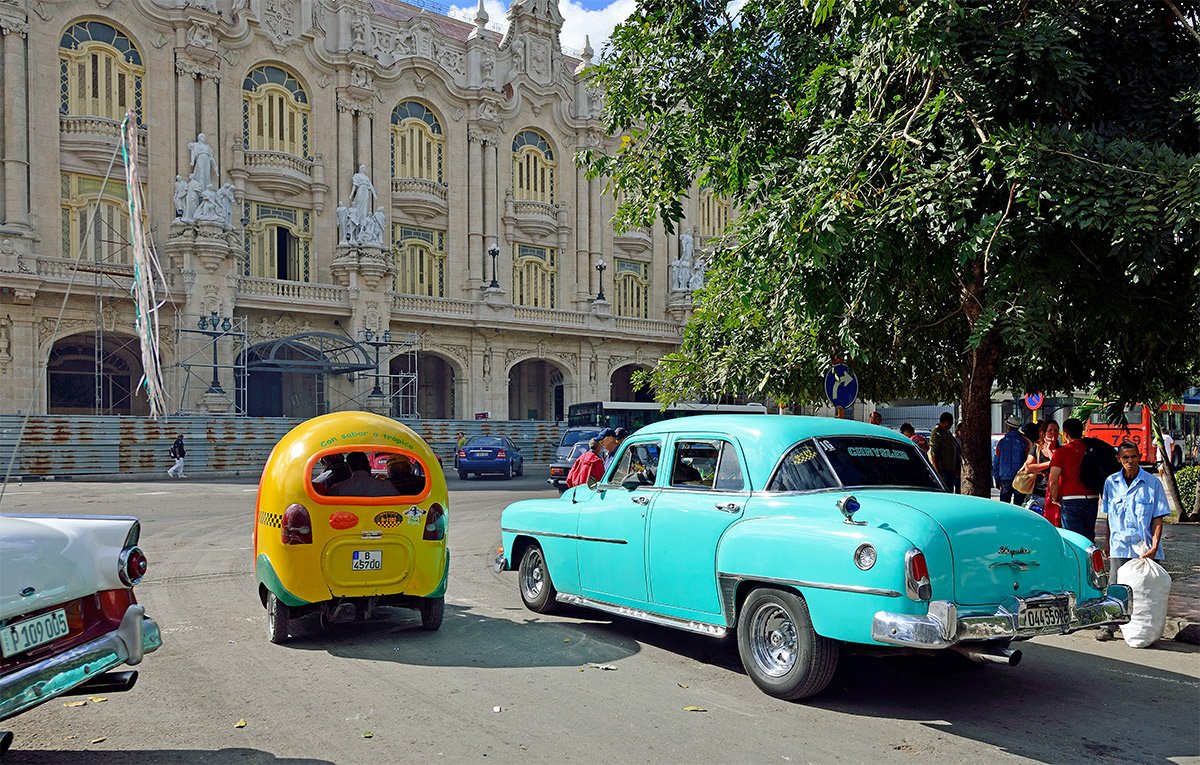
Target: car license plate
[30,633]
[481,454]
[367,560]
[1050,615]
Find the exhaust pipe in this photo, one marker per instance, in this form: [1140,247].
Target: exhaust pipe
[1007,656]
[109,682]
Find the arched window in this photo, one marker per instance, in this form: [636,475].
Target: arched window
[714,214]
[420,261]
[533,168]
[631,288]
[274,112]
[535,276]
[100,72]
[278,242]
[107,241]
[417,143]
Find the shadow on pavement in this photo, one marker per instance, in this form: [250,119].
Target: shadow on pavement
[466,639]
[123,757]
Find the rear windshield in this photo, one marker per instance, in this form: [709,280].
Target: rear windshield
[485,441]
[855,461]
[572,436]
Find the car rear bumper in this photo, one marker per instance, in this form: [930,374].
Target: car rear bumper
[943,627]
[482,466]
[136,636]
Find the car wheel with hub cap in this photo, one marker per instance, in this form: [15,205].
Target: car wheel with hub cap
[533,579]
[779,649]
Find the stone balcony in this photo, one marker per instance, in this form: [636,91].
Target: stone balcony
[94,139]
[531,220]
[635,241]
[278,171]
[276,293]
[424,200]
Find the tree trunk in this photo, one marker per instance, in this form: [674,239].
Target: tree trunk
[976,412]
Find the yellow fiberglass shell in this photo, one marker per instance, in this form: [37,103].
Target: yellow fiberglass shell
[392,528]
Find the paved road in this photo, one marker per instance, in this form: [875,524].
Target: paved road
[433,696]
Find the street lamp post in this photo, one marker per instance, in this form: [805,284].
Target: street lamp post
[384,339]
[219,327]
[600,266]
[494,251]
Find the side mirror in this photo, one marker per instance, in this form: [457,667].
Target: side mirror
[592,482]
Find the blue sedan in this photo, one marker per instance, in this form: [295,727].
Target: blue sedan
[490,454]
[803,537]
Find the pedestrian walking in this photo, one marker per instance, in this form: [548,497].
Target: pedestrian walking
[587,465]
[178,453]
[1078,503]
[943,453]
[459,442]
[1010,454]
[1136,504]
[1038,463]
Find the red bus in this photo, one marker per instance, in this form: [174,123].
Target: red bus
[1183,419]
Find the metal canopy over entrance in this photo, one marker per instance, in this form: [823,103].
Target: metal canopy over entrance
[310,353]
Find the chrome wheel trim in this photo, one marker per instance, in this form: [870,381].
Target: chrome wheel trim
[773,642]
[533,574]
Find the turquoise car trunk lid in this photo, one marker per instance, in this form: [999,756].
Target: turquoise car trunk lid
[997,550]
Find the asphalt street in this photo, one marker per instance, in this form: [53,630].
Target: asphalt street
[500,683]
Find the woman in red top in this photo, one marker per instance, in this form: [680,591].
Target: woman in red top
[589,465]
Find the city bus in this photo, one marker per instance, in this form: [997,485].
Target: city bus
[633,415]
[1183,419]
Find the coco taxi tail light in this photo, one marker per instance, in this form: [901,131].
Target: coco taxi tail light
[296,526]
[435,523]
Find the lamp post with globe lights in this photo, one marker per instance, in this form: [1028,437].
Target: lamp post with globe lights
[214,326]
[600,268]
[385,339]
[494,251]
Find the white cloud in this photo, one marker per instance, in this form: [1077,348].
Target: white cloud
[578,21]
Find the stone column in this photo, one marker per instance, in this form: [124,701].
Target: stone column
[594,231]
[364,145]
[491,198]
[185,115]
[16,126]
[345,150]
[208,108]
[582,265]
[475,220]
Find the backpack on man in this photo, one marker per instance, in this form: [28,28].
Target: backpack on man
[1098,463]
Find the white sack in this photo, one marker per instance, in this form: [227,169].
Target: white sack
[1151,585]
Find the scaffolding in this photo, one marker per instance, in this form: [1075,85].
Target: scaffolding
[204,355]
[394,391]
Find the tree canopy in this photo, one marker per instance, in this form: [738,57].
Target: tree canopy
[947,194]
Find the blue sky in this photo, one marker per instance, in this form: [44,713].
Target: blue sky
[594,18]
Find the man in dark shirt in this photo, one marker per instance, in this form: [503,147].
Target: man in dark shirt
[943,452]
[361,483]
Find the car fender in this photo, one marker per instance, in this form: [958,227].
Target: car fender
[1076,549]
[553,525]
[814,555]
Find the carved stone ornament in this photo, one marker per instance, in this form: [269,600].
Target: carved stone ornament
[420,39]
[278,18]
[6,324]
[283,326]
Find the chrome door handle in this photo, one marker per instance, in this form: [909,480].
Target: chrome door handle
[641,499]
[728,507]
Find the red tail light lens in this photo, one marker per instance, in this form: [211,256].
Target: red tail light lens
[131,566]
[462,453]
[114,603]
[916,576]
[501,454]
[296,526]
[435,523]
[1097,574]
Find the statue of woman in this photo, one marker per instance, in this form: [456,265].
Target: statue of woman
[204,164]
[362,197]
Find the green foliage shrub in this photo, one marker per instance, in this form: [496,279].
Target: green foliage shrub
[1188,480]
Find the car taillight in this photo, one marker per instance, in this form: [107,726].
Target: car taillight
[916,576]
[131,566]
[435,523]
[1097,574]
[296,527]
[500,454]
[114,603]
[462,453]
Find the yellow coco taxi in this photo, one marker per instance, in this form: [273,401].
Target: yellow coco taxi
[331,537]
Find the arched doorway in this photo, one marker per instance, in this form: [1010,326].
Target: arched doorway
[621,385]
[536,391]
[436,378]
[287,377]
[95,373]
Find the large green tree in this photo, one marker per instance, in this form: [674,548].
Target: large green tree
[947,194]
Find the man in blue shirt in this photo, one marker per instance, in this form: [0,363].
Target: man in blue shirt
[1008,458]
[1136,504]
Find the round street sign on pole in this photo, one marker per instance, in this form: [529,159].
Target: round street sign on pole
[1034,401]
[841,386]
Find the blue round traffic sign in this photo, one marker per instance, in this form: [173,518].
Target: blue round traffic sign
[1034,401]
[841,386]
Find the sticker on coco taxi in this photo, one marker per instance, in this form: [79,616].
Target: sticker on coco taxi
[366,560]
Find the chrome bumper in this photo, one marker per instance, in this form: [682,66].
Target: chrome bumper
[942,627]
[136,636]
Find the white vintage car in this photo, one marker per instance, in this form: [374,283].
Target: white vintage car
[68,615]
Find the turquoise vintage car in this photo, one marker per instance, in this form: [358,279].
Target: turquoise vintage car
[803,534]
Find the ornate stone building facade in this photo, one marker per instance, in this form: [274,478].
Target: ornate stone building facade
[319,173]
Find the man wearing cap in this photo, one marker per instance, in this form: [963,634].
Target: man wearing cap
[608,442]
[1008,458]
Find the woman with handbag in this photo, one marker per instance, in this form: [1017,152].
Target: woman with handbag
[1038,464]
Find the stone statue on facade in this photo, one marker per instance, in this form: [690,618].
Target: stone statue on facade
[681,273]
[696,280]
[362,198]
[180,197]
[343,223]
[208,211]
[204,164]
[191,199]
[225,202]
[485,70]
[370,230]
